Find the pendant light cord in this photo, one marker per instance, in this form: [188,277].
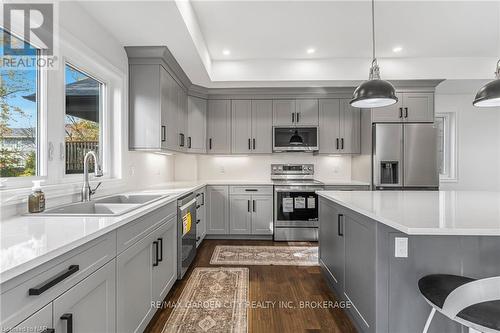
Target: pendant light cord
[373,28]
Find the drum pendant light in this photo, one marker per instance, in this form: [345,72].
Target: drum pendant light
[489,94]
[375,92]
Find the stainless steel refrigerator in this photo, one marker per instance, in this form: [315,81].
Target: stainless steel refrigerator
[405,156]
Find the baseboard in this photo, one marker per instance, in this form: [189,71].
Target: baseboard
[241,237]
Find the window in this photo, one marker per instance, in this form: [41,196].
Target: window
[446,124]
[82,121]
[19,118]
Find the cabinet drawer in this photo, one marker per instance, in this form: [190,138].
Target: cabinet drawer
[38,322]
[253,190]
[136,230]
[52,279]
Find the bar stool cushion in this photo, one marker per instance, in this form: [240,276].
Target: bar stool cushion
[486,314]
[436,287]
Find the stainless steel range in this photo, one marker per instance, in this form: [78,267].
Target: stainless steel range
[295,202]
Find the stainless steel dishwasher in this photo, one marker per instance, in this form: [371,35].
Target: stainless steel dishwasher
[186,233]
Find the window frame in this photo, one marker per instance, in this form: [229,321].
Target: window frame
[450,122]
[104,124]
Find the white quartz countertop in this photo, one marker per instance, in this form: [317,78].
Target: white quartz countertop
[469,213]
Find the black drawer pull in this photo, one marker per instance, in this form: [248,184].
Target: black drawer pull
[160,241]
[340,227]
[198,221]
[49,330]
[52,282]
[69,322]
[251,190]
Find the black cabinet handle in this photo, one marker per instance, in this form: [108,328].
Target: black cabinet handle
[163,134]
[198,221]
[210,143]
[293,117]
[340,227]
[342,143]
[298,116]
[400,112]
[249,144]
[337,140]
[53,281]
[198,238]
[182,139]
[49,330]
[254,144]
[406,112]
[189,142]
[160,242]
[155,261]
[251,190]
[248,206]
[253,202]
[69,322]
[203,199]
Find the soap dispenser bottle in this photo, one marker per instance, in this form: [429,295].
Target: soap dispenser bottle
[36,200]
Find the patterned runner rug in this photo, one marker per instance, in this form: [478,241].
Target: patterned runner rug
[265,255]
[213,300]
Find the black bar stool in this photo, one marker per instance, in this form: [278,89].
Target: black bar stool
[472,303]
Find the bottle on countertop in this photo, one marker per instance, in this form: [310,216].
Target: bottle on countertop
[36,200]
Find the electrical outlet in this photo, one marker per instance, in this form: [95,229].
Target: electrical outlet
[401,247]
[131,171]
[221,169]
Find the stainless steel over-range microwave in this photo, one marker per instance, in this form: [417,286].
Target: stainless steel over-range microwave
[295,139]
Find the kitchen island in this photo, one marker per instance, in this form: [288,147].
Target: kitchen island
[375,246]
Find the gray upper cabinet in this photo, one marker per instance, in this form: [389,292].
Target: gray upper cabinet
[241,124]
[340,127]
[306,112]
[411,107]
[217,210]
[196,125]
[182,121]
[300,112]
[219,127]
[251,123]
[283,112]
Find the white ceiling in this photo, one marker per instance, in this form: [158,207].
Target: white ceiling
[268,39]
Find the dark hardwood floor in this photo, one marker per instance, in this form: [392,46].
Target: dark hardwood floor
[268,284]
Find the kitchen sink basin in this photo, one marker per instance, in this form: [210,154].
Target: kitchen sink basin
[130,199]
[91,208]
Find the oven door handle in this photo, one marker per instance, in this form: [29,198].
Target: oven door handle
[184,207]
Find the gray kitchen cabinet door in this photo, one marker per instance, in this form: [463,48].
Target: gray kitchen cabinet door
[145,120]
[350,128]
[134,269]
[306,112]
[262,214]
[389,114]
[217,210]
[201,223]
[89,305]
[181,119]
[219,127]
[170,110]
[418,107]
[359,278]
[283,112]
[240,214]
[41,318]
[262,126]
[165,274]
[332,242]
[197,125]
[241,124]
[329,126]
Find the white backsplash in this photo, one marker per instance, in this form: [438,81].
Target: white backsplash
[258,167]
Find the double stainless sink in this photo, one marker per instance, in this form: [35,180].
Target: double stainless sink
[113,205]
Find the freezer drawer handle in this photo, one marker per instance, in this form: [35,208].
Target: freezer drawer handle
[155,263]
[69,322]
[340,227]
[160,242]
[55,280]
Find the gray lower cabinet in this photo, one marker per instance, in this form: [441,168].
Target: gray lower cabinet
[262,215]
[240,214]
[89,306]
[196,125]
[411,107]
[331,238]
[165,273]
[37,322]
[201,219]
[251,210]
[217,210]
[339,127]
[219,127]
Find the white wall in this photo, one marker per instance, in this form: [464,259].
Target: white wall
[478,137]
[258,168]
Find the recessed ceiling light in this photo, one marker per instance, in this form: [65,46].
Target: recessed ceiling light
[397,49]
[310,51]
[226,52]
